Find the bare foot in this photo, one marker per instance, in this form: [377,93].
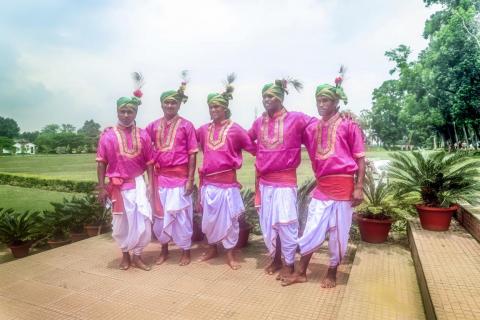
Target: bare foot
[125,264]
[294,278]
[231,260]
[163,255]
[273,267]
[285,272]
[330,280]
[138,263]
[185,259]
[209,254]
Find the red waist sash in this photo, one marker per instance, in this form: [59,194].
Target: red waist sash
[114,189]
[285,176]
[180,171]
[336,187]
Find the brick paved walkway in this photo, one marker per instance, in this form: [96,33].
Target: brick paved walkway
[382,285]
[450,264]
[82,281]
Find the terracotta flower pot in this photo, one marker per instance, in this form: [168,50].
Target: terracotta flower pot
[78,236]
[373,230]
[58,243]
[92,231]
[435,219]
[20,250]
[243,235]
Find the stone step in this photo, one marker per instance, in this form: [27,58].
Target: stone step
[382,285]
[469,218]
[448,271]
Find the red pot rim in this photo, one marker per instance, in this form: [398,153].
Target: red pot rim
[382,221]
[436,209]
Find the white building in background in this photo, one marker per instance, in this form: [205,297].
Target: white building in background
[23,148]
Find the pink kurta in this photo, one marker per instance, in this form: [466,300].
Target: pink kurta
[173,141]
[126,151]
[279,141]
[222,147]
[333,147]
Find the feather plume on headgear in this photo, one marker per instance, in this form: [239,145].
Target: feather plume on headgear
[334,92]
[183,86]
[139,82]
[280,87]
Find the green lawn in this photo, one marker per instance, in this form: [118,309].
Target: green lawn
[82,166]
[29,199]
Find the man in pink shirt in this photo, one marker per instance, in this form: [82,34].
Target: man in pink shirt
[123,154]
[337,150]
[278,133]
[175,146]
[222,142]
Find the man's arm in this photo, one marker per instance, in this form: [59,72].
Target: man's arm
[192,163]
[102,191]
[358,188]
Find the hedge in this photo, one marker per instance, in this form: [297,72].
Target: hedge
[47,184]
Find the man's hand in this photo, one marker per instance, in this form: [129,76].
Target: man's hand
[102,195]
[189,187]
[357,196]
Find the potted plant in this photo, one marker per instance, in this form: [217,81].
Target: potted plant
[73,208]
[19,229]
[248,222]
[303,200]
[375,215]
[440,179]
[56,226]
[97,216]
[197,234]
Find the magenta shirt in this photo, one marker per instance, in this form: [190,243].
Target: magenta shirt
[173,142]
[222,147]
[334,146]
[126,151]
[279,141]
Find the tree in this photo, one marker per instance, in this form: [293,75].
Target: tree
[9,128]
[384,117]
[51,128]
[29,136]
[67,128]
[91,131]
[7,144]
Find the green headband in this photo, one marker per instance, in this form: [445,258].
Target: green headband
[173,95]
[220,99]
[331,92]
[275,90]
[131,102]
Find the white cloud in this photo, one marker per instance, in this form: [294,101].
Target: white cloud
[259,40]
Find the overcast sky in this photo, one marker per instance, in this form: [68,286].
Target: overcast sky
[68,61]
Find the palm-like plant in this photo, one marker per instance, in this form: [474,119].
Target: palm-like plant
[439,178]
[17,228]
[250,217]
[303,200]
[378,195]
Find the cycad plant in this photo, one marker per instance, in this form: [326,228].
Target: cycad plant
[250,217]
[439,178]
[17,228]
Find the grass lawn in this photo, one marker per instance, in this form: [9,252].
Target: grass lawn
[83,167]
[29,199]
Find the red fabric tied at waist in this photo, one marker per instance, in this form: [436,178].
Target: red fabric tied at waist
[114,189]
[334,187]
[175,172]
[288,176]
[221,177]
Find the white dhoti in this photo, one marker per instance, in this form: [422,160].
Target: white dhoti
[177,222]
[334,217]
[278,218]
[221,209]
[132,229]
